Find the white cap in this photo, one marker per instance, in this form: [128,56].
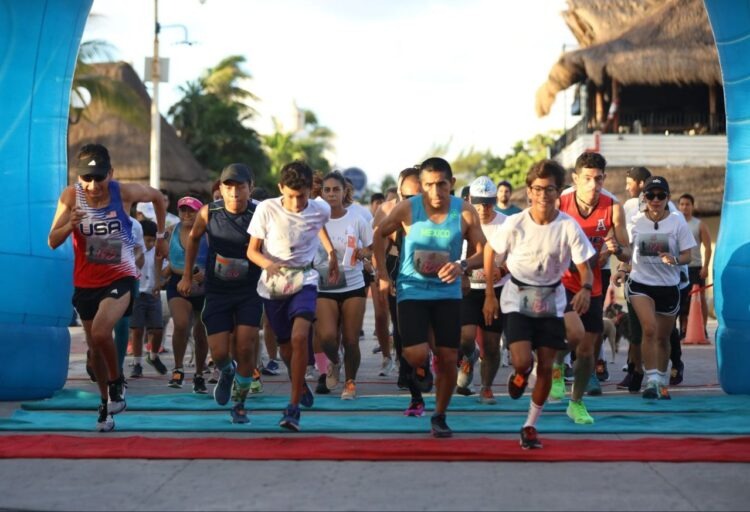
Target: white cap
[482,190]
[147,209]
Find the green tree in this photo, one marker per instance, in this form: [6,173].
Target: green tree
[515,165]
[211,119]
[115,95]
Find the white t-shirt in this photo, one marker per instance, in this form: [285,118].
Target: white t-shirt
[673,237]
[476,279]
[360,210]
[148,272]
[138,234]
[288,237]
[346,233]
[538,255]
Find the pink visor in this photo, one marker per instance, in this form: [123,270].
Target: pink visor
[190,202]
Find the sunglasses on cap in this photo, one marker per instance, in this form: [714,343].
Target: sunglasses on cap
[93,177]
[661,196]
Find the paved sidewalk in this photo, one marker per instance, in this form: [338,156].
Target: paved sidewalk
[327,485]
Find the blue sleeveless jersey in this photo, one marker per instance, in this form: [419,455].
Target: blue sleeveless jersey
[177,251]
[427,247]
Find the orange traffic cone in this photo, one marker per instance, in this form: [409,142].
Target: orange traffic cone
[695,334]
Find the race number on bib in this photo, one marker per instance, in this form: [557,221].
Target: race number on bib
[537,301]
[231,269]
[325,286]
[104,250]
[653,244]
[428,263]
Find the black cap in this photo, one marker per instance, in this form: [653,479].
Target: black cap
[240,173]
[639,173]
[465,192]
[93,165]
[656,182]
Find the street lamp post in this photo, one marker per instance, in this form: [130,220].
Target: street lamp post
[155,156]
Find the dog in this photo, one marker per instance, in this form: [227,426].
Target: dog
[616,326]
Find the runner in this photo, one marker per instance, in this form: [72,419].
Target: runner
[94,210]
[186,311]
[232,304]
[428,283]
[503,205]
[661,243]
[596,211]
[537,245]
[482,193]
[341,305]
[284,240]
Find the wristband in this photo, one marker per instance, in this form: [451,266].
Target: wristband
[162,236]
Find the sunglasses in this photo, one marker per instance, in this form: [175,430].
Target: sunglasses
[661,196]
[93,177]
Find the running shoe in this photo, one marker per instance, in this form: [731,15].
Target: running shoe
[517,384]
[178,377]
[651,391]
[350,390]
[664,393]
[376,349]
[137,371]
[464,391]
[156,364]
[569,374]
[602,373]
[199,385]
[310,372]
[578,413]
[307,399]
[439,427]
[223,389]
[625,383]
[333,376]
[256,386]
[321,388]
[290,418]
[271,368]
[530,439]
[593,388]
[105,422]
[215,374]
[557,391]
[415,409]
[486,397]
[635,382]
[676,375]
[116,402]
[465,372]
[239,413]
[386,367]
[423,379]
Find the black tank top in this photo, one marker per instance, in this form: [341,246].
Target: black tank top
[227,268]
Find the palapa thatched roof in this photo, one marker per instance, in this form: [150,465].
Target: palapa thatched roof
[594,21]
[128,144]
[670,43]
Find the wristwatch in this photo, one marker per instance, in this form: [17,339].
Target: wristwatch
[588,287]
[464,265]
[162,236]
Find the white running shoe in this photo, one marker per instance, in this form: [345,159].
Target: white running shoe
[333,376]
[386,367]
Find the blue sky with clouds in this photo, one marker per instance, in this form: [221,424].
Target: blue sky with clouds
[390,78]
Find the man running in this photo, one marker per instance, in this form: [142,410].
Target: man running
[597,213]
[503,205]
[428,284]
[94,210]
[284,239]
[232,306]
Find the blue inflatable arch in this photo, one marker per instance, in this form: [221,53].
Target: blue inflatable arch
[39,42]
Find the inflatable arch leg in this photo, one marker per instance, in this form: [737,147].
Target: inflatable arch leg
[730,22]
[39,41]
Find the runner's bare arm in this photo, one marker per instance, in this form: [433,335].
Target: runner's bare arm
[333,264]
[67,216]
[191,250]
[620,242]
[474,236]
[582,299]
[491,308]
[400,215]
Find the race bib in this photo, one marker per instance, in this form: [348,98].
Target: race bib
[285,283]
[477,277]
[537,301]
[653,244]
[231,269]
[428,263]
[324,285]
[105,251]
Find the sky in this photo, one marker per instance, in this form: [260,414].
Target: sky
[393,79]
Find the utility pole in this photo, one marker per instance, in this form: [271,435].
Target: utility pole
[155,156]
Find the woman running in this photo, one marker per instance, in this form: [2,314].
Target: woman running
[341,306]
[186,311]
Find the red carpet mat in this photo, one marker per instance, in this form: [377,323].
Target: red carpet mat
[649,449]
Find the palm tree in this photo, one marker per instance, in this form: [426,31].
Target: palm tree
[223,81]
